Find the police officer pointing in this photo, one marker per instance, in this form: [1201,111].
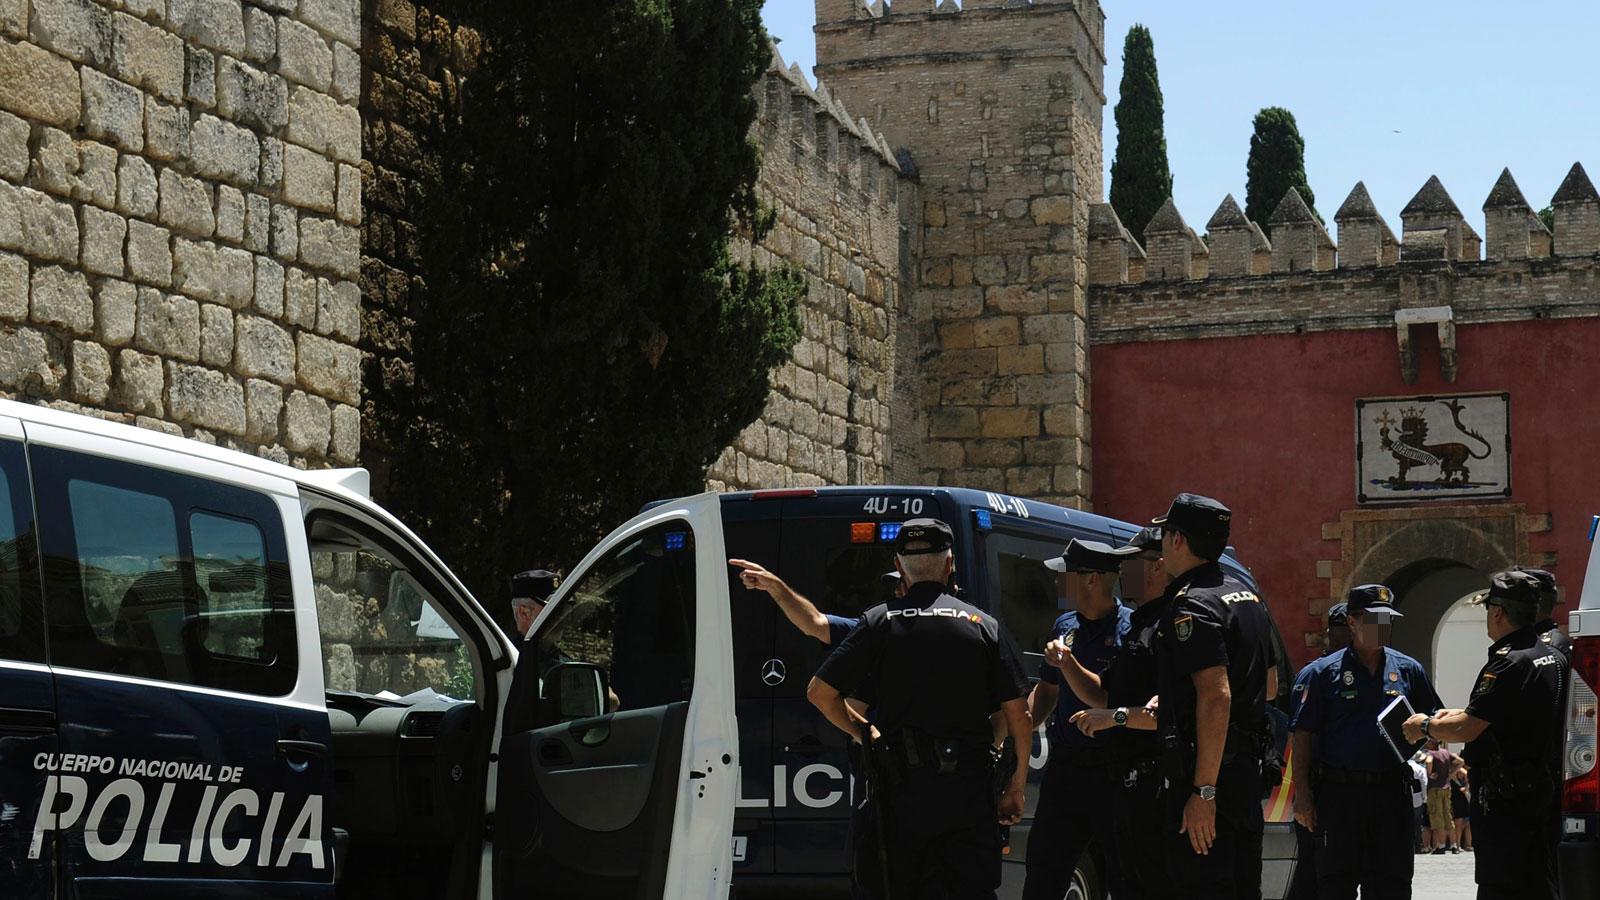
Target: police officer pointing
[1357,801]
[1512,728]
[937,668]
[1214,655]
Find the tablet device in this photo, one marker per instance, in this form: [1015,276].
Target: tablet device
[1390,723]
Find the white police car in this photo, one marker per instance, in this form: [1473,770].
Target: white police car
[223,677]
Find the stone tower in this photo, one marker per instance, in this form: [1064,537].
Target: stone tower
[999,103]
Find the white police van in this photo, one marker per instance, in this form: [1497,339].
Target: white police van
[833,544]
[1579,851]
[225,678]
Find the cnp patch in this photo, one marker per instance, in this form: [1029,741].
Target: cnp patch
[1184,627]
[1349,678]
[1484,684]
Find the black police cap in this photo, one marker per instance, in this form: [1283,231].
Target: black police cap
[1547,585]
[1144,545]
[935,534]
[1510,588]
[1338,614]
[1085,556]
[1195,515]
[1371,597]
[534,584]
[890,579]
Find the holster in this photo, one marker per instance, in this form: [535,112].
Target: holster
[1177,758]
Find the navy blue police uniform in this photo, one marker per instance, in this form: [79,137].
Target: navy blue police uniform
[1515,765]
[1214,619]
[936,668]
[1304,884]
[1546,628]
[1075,792]
[1361,785]
[1129,682]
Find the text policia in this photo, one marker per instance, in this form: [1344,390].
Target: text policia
[125,801]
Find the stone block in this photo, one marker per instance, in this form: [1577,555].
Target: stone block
[149,253]
[166,131]
[230,214]
[49,227]
[1016,299]
[300,298]
[37,84]
[217,24]
[271,162]
[149,57]
[329,368]
[257,223]
[31,362]
[96,181]
[347,205]
[321,123]
[11,202]
[269,287]
[953,422]
[209,272]
[251,96]
[216,335]
[205,398]
[113,110]
[223,150]
[104,234]
[346,73]
[263,350]
[346,444]
[330,245]
[339,19]
[13,288]
[308,179]
[91,373]
[115,312]
[141,383]
[77,29]
[145,9]
[307,424]
[185,205]
[14,18]
[61,298]
[263,406]
[339,309]
[1056,210]
[200,77]
[168,325]
[304,55]
[1015,422]
[285,232]
[1023,360]
[260,35]
[14,135]
[55,164]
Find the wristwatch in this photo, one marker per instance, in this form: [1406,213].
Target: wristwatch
[1120,715]
[1427,722]
[1206,791]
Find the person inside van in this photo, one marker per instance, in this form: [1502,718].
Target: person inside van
[530,591]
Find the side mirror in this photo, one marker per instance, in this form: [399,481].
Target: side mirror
[576,690]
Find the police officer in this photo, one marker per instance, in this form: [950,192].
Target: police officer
[1335,637]
[1546,627]
[1216,666]
[1075,793]
[1121,714]
[936,668]
[1357,801]
[1513,734]
[530,591]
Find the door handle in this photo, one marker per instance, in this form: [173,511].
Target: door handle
[303,748]
[806,746]
[27,721]
[554,753]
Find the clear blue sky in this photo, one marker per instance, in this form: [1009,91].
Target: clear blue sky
[1385,91]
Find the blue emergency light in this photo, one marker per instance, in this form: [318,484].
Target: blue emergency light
[1593,522]
[676,540]
[888,531]
[985,521]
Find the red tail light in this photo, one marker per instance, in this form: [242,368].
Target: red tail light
[1582,790]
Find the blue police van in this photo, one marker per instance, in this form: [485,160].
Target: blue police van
[833,545]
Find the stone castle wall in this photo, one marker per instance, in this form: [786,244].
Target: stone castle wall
[179,202]
[841,199]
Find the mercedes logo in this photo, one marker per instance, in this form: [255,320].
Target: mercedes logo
[773,673]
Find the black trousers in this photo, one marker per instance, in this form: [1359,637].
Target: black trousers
[1136,815]
[1232,869]
[1363,840]
[1514,848]
[943,838]
[1073,810]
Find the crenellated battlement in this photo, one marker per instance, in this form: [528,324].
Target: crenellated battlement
[837,12]
[1433,230]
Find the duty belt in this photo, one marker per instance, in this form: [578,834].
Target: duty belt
[947,756]
[1362,777]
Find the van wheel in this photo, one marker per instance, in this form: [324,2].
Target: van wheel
[1085,881]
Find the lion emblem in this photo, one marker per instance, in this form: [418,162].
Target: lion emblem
[1410,448]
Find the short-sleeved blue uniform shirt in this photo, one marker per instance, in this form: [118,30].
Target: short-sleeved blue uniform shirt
[1342,699]
[1094,642]
[839,628]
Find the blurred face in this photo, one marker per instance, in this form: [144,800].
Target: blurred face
[1366,633]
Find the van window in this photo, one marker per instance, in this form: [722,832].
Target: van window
[1027,602]
[21,628]
[632,614]
[166,576]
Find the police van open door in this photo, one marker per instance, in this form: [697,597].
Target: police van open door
[618,760]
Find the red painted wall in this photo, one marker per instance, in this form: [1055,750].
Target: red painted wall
[1267,425]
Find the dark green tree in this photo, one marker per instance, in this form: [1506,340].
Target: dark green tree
[587,340]
[1548,217]
[1140,178]
[1277,163]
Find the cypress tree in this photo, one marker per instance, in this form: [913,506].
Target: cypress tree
[1140,178]
[587,340]
[1277,163]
